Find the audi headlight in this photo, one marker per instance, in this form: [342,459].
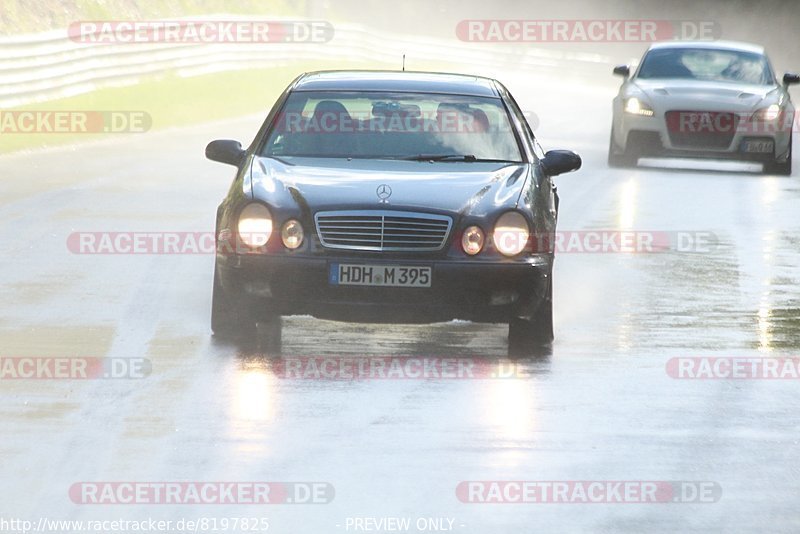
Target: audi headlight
[511,233]
[292,234]
[768,114]
[472,240]
[635,106]
[255,225]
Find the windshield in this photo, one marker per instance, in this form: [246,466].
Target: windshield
[393,125]
[707,64]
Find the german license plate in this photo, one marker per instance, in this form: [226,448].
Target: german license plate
[357,274]
[759,146]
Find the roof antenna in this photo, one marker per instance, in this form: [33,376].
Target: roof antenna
[404,62]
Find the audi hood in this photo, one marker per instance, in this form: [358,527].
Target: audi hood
[678,94]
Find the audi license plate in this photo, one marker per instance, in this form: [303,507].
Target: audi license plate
[759,146]
[356,274]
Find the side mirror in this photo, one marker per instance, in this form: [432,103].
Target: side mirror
[622,70]
[225,151]
[790,79]
[557,162]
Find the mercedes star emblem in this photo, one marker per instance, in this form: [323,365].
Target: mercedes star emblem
[384,192]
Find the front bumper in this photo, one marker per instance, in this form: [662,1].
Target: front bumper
[650,136]
[477,291]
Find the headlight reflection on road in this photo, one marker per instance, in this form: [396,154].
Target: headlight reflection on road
[253,401]
[764,326]
[624,332]
[510,410]
[626,216]
[764,320]
[767,246]
[627,205]
[254,387]
[253,404]
[770,188]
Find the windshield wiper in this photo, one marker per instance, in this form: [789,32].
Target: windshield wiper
[454,157]
[441,157]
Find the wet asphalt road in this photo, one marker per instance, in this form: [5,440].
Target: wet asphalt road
[601,406]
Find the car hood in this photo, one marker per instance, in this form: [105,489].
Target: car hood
[320,184]
[703,95]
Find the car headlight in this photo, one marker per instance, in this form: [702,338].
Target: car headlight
[292,234]
[768,114]
[255,225]
[472,240]
[511,233]
[636,107]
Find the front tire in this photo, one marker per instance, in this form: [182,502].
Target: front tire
[269,331]
[626,159]
[527,336]
[229,320]
[781,169]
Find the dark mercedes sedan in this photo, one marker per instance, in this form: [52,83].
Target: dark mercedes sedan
[396,197]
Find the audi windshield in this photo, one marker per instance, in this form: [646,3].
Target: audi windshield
[733,66]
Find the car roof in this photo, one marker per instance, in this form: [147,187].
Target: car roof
[711,45]
[397,81]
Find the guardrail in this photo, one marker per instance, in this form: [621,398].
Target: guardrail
[37,68]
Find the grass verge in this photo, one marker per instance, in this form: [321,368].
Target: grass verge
[168,101]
